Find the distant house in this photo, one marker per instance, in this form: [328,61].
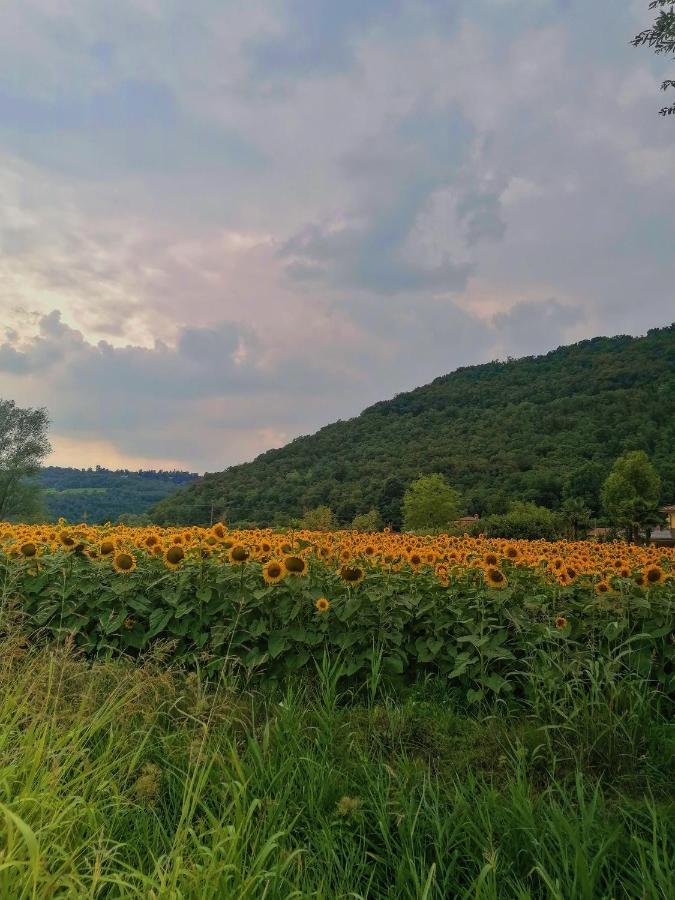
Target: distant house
[600,533]
[665,535]
[466,520]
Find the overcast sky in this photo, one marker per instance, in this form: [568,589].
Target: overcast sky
[227,223]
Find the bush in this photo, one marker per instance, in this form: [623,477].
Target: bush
[370,521]
[525,521]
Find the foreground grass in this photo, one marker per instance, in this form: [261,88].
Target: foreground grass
[122,779]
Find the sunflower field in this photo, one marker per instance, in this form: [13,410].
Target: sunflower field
[270,603]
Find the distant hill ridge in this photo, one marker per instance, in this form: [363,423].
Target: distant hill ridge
[98,494]
[541,428]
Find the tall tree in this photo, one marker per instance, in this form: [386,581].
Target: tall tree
[23,447]
[576,516]
[661,38]
[430,502]
[630,495]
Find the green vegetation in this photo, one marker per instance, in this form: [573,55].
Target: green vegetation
[23,446]
[122,779]
[430,503]
[475,631]
[661,38]
[523,520]
[541,430]
[103,495]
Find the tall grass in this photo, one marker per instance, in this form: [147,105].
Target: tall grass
[122,779]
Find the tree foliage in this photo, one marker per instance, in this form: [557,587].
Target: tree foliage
[320,519]
[661,38]
[370,521]
[430,503]
[576,517]
[23,446]
[539,429]
[631,493]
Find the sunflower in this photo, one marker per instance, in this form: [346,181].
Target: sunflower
[238,555]
[151,540]
[561,623]
[124,562]
[295,565]
[322,605]
[174,556]
[67,540]
[654,574]
[273,572]
[218,531]
[512,553]
[107,547]
[603,587]
[352,574]
[495,578]
[415,560]
[490,559]
[28,549]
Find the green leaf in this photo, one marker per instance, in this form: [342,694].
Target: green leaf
[276,644]
[393,665]
[159,619]
[495,682]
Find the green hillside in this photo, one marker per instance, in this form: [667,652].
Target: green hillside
[540,428]
[102,495]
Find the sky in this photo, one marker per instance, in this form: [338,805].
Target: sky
[225,224]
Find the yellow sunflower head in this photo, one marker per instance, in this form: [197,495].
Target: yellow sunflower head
[495,578]
[273,571]
[124,562]
[352,575]
[174,556]
[295,565]
[322,605]
[654,575]
[238,555]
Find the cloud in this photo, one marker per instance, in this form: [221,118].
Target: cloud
[224,225]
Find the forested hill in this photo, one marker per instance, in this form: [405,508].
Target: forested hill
[101,495]
[540,428]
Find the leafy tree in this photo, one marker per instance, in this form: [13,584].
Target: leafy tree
[430,502]
[585,483]
[576,516]
[630,495]
[23,446]
[319,519]
[661,38]
[370,521]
